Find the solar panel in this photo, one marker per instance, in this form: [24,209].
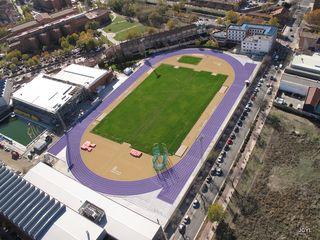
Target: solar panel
[26,206]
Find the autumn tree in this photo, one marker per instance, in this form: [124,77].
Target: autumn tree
[216,213]
[232,16]
[212,44]
[313,17]
[244,19]
[274,22]
[170,24]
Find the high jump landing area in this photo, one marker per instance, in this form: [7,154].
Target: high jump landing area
[101,176]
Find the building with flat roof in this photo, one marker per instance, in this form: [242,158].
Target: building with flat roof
[48,98]
[257,44]
[34,214]
[254,38]
[87,77]
[119,223]
[307,63]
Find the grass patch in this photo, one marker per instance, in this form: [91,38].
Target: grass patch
[139,29]
[119,24]
[162,109]
[190,60]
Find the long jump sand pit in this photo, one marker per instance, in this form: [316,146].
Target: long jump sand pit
[111,159]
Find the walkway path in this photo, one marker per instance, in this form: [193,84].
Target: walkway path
[173,180]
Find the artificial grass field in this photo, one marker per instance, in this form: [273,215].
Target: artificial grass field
[162,109]
[190,60]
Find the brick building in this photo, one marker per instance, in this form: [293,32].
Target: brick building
[157,42]
[47,29]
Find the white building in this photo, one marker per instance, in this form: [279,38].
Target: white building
[84,76]
[37,215]
[120,222]
[48,98]
[253,38]
[44,98]
[257,44]
[307,63]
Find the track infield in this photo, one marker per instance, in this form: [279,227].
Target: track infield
[190,60]
[162,109]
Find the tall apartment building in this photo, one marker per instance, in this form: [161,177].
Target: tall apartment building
[52,5]
[253,38]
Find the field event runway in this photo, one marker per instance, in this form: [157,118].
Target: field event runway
[173,180]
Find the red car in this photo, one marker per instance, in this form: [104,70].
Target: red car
[229,142]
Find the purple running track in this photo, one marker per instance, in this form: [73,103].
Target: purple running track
[173,180]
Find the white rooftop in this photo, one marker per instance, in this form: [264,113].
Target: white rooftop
[44,93]
[73,226]
[80,75]
[121,222]
[306,62]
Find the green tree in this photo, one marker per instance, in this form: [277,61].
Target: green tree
[197,42]
[170,24]
[12,54]
[73,38]
[30,62]
[15,60]
[3,32]
[116,5]
[36,59]
[219,21]
[65,44]
[274,22]
[12,66]
[155,19]
[232,16]
[216,213]
[212,44]
[133,34]
[94,25]
[244,19]
[25,57]
[151,30]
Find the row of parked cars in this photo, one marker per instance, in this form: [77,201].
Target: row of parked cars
[216,169]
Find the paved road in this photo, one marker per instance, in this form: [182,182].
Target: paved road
[198,215]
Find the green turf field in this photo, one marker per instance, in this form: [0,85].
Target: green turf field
[162,109]
[190,60]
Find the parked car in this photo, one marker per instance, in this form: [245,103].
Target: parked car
[233,136]
[218,171]
[229,142]
[220,159]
